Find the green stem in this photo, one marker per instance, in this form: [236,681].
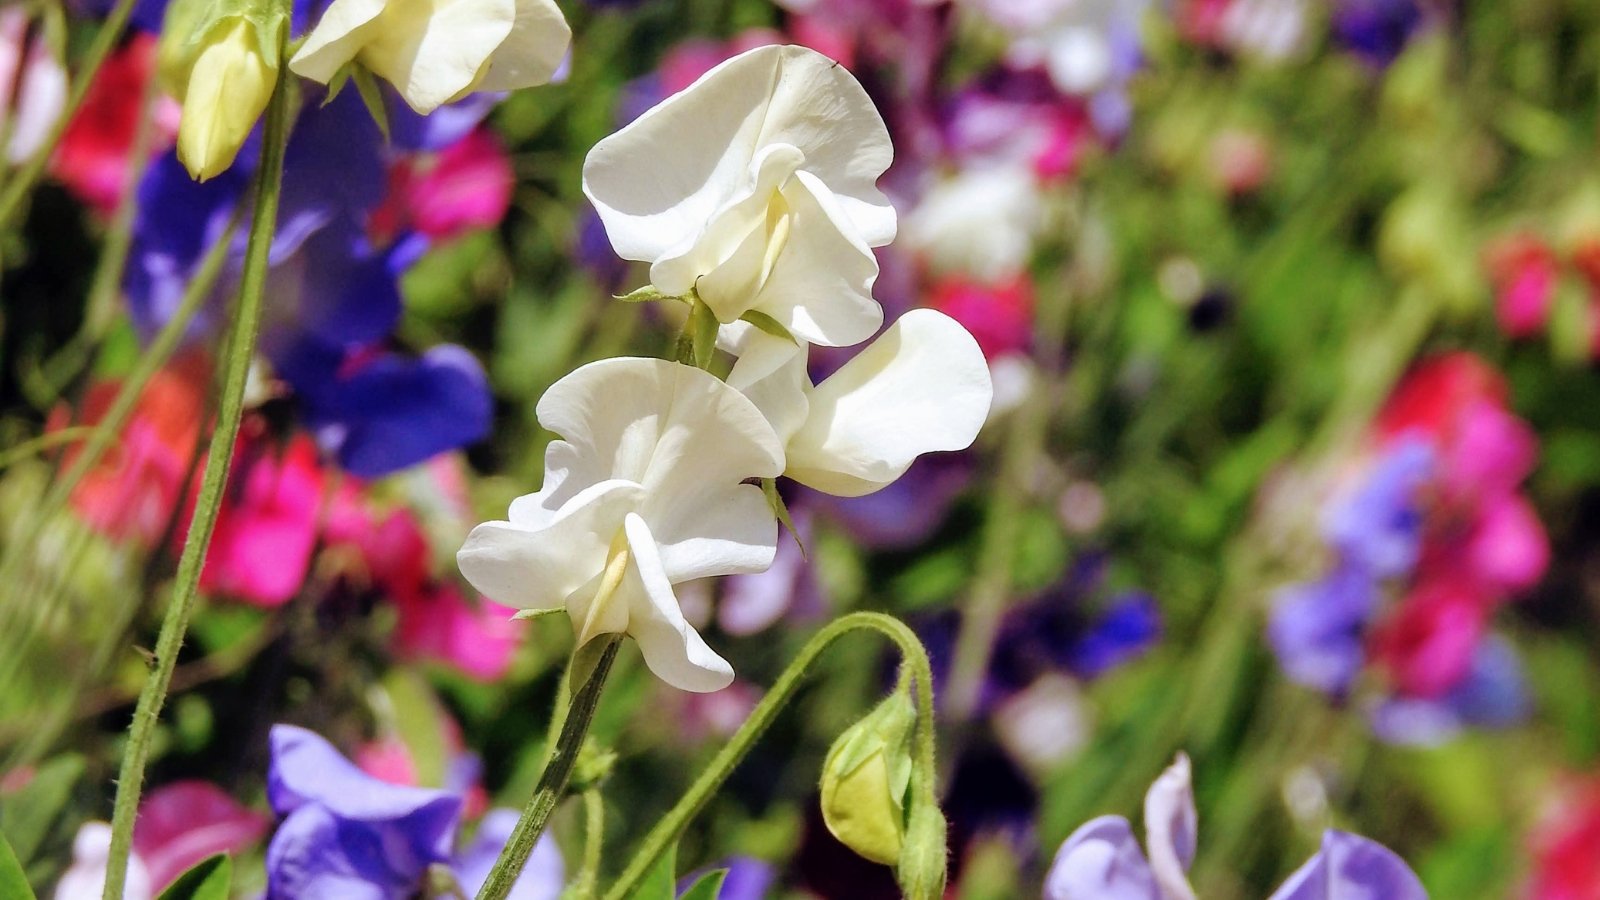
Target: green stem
[594,836]
[552,786]
[241,347]
[668,830]
[104,42]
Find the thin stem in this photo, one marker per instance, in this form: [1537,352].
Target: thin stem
[594,837]
[241,347]
[552,786]
[104,41]
[668,830]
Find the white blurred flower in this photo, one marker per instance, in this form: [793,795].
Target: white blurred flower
[755,187]
[1085,45]
[33,86]
[645,491]
[922,385]
[1274,30]
[434,51]
[85,879]
[981,222]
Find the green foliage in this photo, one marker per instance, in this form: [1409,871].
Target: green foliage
[209,879]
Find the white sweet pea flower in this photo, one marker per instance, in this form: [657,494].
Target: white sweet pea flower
[981,221]
[756,187]
[434,51]
[646,491]
[923,385]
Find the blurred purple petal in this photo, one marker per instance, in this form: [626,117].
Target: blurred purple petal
[1101,861]
[1316,628]
[542,879]
[1379,526]
[1351,867]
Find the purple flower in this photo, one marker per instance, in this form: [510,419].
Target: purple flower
[1351,867]
[1102,859]
[347,834]
[1379,527]
[1316,628]
[1493,694]
[1377,30]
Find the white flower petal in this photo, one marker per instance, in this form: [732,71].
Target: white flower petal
[672,649]
[922,386]
[533,51]
[1171,829]
[820,285]
[731,531]
[671,428]
[336,39]
[661,179]
[772,373]
[433,50]
[542,569]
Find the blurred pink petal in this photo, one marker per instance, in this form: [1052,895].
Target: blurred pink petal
[93,157]
[266,530]
[1508,546]
[463,188]
[1427,647]
[441,625]
[185,822]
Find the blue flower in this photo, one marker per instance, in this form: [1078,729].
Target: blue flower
[1377,30]
[349,835]
[1379,527]
[333,295]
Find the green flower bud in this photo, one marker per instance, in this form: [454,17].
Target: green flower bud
[924,858]
[865,779]
[221,57]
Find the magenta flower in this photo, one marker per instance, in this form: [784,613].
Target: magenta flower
[462,188]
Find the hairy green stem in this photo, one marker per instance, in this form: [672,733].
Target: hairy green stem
[552,786]
[241,342]
[594,836]
[105,41]
[671,826]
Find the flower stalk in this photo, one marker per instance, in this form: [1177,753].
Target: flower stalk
[914,657]
[241,342]
[552,786]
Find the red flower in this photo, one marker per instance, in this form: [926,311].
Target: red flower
[92,158]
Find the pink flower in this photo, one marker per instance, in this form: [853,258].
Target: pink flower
[465,187]
[93,157]
[131,492]
[266,529]
[184,822]
[999,315]
[1427,647]
[439,624]
[1566,864]
[1524,272]
[1508,547]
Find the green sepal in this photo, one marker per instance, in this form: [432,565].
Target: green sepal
[706,887]
[190,24]
[646,294]
[524,614]
[586,659]
[769,487]
[371,97]
[13,883]
[703,323]
[337,83]
[768,324]
[209,879]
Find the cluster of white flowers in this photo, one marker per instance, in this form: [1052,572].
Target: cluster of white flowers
[752,193]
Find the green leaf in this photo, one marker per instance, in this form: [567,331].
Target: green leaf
[26,816]
[13,884]
[769,487]
[707,887]
[768,324]
[208,880]
[660,883]
[372,96]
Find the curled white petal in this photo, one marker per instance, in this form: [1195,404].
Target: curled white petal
[672,649]
[545,568]
[532,52]
[922,386]
[336,40]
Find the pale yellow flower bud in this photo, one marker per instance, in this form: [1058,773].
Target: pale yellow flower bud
[865,777]
[228,88]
